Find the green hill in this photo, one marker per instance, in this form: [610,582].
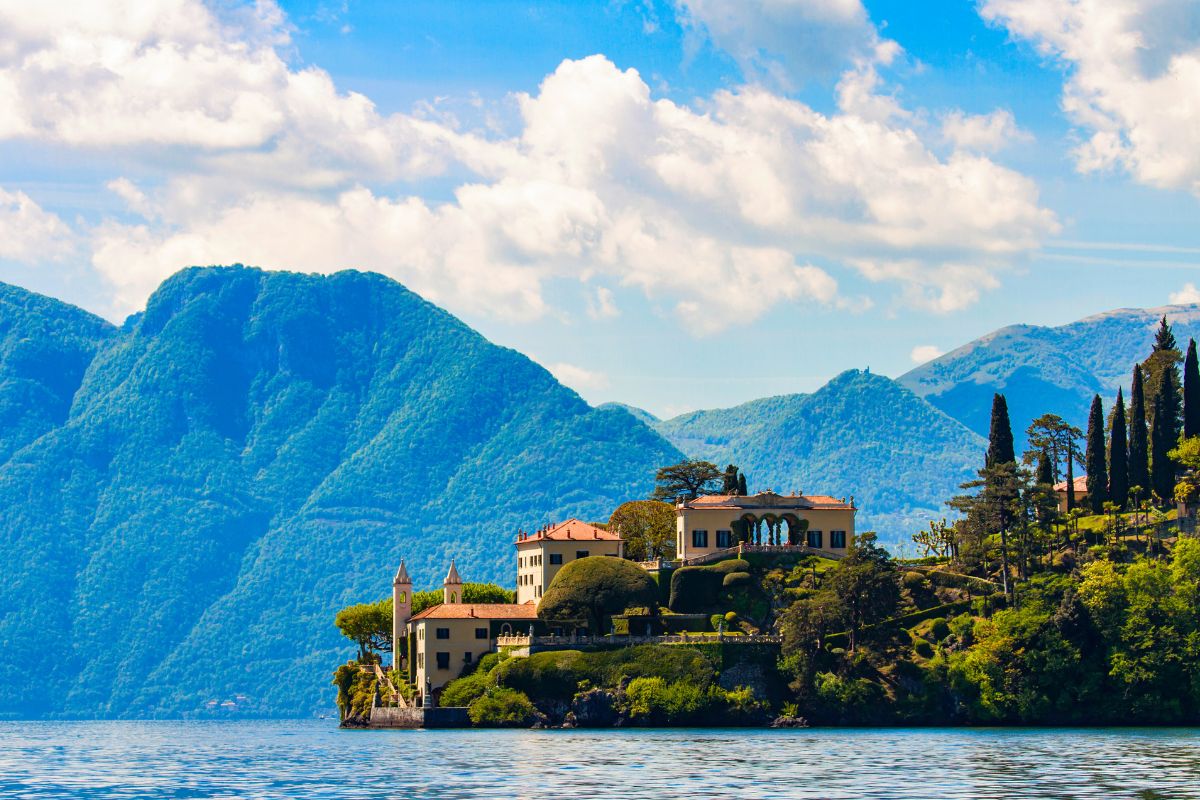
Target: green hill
[860,434]
[253,450]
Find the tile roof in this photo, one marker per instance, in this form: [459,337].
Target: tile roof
[769,499]
[573,530]
[1080,485]
[479,611]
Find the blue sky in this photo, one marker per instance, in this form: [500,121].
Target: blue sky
[672,204]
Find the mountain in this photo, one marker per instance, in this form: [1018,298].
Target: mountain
[1046,369]
[861,434]
[196,492]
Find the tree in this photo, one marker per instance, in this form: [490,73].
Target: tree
[1045,473]
[995,508]
[591,589]
[1097,470]
[1191,392]
[1187,455]
[867,584]
[369,625]
[1118,455]
[1049,433]
[1139,436]
[688,479]
[730,480]
[804,625]
[742,484]
[939,539]
[471,593]
[1161,374]
[1000,437]
[648,528]
[1163,438]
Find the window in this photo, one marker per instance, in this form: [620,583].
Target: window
[556,558]
[420,661]
[699,538]
[837,539]
[403,595]
[467,658]
[581,553]
[481,633]
[421,633]
[814,539]
[443,660]
[537,592]
[724,538]
[443,633]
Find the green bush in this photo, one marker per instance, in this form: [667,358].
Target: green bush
[922,647]
[733,580]
[939,628]
[502,708]
[654,701]
[913,580]
[463,691]
[698,589]
[590,590]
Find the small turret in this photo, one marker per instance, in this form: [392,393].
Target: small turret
[452,586]
[401,611]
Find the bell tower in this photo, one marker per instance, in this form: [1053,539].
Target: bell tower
[452,586]
[401,611]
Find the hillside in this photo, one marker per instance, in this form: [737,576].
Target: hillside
[255,449]
[860,434]
[1041,369]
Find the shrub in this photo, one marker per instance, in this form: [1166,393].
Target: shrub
[735,579]
[697,589]
[502,708]
[655,701]
[463,691]
[731,617]
[922,647]
[939,628]
[913,580]
[591,589]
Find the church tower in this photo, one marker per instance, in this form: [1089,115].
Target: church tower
[401,611]
[452,586]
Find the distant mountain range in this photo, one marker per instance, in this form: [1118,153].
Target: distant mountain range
[186,499]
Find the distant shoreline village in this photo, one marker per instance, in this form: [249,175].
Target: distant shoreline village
[435,646]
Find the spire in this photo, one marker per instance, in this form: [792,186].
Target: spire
[452,575]
[402,578]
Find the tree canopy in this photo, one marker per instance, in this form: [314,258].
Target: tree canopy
[368,625]
[648,528]
[471,593]
[688,479]
[591,589]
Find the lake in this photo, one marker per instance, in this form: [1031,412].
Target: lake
[313,759]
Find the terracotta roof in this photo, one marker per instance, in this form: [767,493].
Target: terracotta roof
[1080,485]
[479,611]
[573,530]
[769,500]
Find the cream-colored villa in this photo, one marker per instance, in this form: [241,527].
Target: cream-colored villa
[437,643]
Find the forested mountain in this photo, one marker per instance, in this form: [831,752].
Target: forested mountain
[861,434]
[185,500]
[1044,369]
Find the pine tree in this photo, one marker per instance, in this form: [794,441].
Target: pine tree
[1000,438]
[1118,456]
[1045,473]
[1139,453]
[1191,392]
[742,484]
[1097,471]
[1162,469]
[1164,338]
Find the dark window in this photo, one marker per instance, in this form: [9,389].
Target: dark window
[556,558]
[467,658]
[481,633]
[421,660]
[837,539]
[814,539]
[699,538]
[724,538]
[443,633]
[443,660]
[581,553]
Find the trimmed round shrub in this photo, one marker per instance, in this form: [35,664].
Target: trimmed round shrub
[939,628]
[913,580]
[731,617]
[589,590]
[734,579]
[922,647]
[502,708]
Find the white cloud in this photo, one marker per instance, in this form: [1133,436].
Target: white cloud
[786,41]
[985,133]
[578,378]
[28,233]
[1188,295]
[1134,74]
[601,304]
[925,352]
[718,210]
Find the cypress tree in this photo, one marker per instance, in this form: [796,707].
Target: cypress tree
[1045,473]
[1070,474]
[1191,392]
[1118,456]
[730,480]
[742,484]
[1164,338]
[1139,453]
[1000,437]
[1097,472]
[1162,470]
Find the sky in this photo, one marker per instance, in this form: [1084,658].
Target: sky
[675,204]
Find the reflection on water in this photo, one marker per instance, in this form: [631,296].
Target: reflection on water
[315,760]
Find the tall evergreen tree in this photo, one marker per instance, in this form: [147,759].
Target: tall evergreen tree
[1164,436]
[1000,437]
[742,484]
[1094,458]
[1139,445]
[1191,392]
[1045,473]
[730,480]
[1164,338]
[1118,456]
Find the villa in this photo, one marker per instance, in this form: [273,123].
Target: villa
[438,643]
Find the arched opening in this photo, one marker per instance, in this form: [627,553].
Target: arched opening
[796,529]
[747,528]
[453,598]
[772,524]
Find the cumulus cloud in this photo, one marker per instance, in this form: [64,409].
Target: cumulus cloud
[1133,76]
[1187,295]
[577,377]
[985,133]
[925,352]
[786,41]
[28,233]
[717,210]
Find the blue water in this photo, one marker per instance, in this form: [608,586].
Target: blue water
[316,760]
